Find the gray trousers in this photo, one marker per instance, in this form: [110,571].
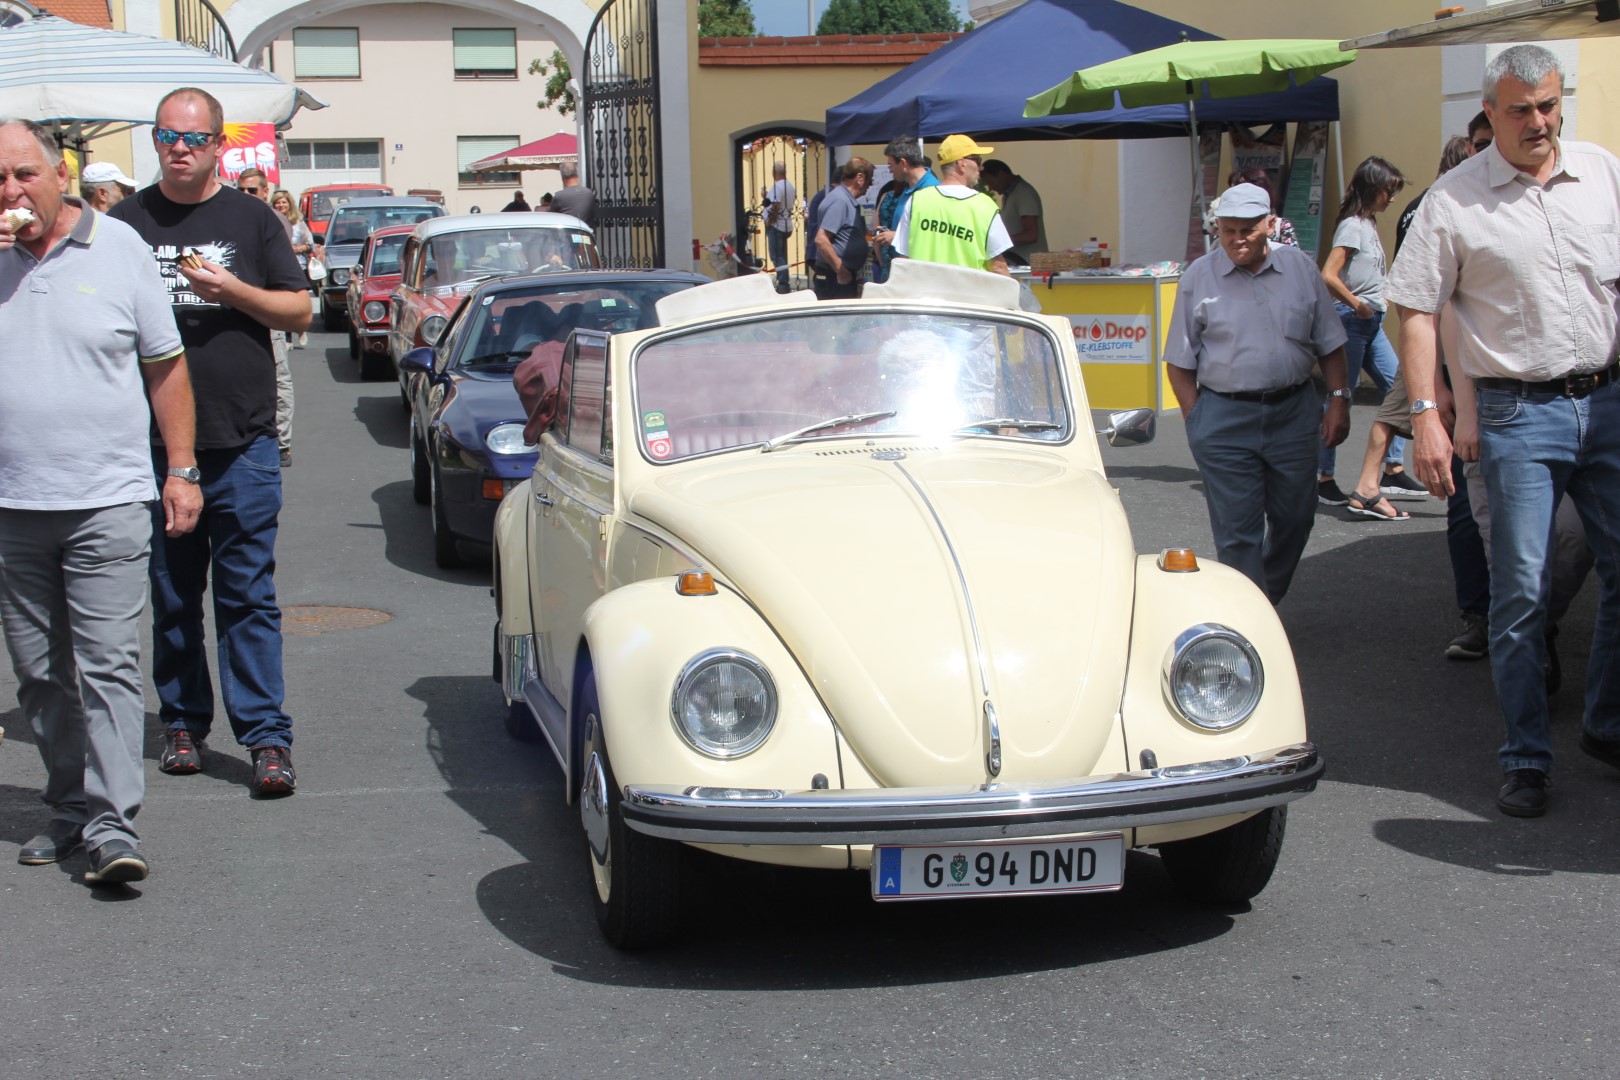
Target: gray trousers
[72,589]
[1258,464]
[1570,554]
[284,391]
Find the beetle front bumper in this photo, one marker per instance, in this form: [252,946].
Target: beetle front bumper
[995,811]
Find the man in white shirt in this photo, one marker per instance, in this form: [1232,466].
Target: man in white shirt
[780,202]
[1523,240]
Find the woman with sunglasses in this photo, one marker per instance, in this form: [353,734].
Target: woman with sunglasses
[303,240]
[1354,274]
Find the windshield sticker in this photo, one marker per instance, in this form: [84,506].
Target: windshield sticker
[609,302]
[659,444]
[652,419]
[578,239]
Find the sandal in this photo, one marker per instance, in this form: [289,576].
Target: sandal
[1367,506]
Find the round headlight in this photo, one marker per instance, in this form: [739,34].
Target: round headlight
[431,328]
[724,703]
[1213,676]
[340,277]
[507,439]
[375,311]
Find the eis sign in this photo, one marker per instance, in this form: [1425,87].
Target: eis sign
[1113,339]
[248,146]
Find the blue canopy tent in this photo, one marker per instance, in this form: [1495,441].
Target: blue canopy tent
[978,83]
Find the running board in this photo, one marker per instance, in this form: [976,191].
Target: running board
[552,720]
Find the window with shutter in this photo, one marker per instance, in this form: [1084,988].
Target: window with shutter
[326,52]
[471,148]
[485,53]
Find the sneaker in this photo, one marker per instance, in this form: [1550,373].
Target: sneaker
[1474,643]
[1328,493]
[286,457]
[273,771]
[115,862]
[1524,794]
[182,754]
[1402,484]
[59,840]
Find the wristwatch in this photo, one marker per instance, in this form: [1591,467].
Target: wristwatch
[1423,405]
[191,474]
[1343,391]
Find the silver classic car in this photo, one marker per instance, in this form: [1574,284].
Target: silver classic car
[844,585]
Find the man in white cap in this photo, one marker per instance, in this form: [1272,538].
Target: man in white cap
[103,184]
[1252,319]
[953,222]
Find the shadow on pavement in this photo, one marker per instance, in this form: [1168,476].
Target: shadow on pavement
[408,538]
[342,369]
[386,422]
[752,926]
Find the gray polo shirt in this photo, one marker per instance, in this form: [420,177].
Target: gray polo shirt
[1261,331]
[75,426]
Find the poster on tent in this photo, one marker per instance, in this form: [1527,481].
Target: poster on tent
[249,145]
[1263,152]
[1303,203]
[1209,167]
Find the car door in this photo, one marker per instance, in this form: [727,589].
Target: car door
[571,499]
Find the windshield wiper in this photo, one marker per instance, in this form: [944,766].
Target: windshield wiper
[1008,422]
[494,357]
[822,425]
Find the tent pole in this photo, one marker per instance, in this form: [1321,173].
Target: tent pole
[1338,152]
[1198,168]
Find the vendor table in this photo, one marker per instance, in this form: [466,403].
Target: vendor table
[1121,324]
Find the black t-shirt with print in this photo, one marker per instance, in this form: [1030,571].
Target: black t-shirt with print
[233,368]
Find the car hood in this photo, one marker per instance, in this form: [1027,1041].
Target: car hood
[854,562]
[379,287]
[338,256]
[476,402]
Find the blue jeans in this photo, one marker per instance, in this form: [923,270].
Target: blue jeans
[1367,349]
[1534,448]
[776,242]
[236,540]
[1255,461]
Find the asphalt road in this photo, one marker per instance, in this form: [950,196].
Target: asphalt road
[419,908]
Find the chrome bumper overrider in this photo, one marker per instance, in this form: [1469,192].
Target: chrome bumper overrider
[983,812]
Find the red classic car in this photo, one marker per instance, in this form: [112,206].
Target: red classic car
[317,204]
[373,280]
[445,257]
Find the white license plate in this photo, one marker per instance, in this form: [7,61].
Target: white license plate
[1092,864]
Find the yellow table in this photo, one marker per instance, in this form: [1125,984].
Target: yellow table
[1120,327]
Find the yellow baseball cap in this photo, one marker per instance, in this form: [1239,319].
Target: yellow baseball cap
[957,147]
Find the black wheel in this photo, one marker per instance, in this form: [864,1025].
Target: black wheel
[354,348]
[404,399]
[331,318]
[1231,866]
[374,367]
[445,555]
[421,480]
[636,878]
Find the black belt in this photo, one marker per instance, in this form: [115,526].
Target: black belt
[1264,397]
[1571,386]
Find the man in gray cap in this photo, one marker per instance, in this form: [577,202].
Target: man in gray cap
[103,184]
[1252,318]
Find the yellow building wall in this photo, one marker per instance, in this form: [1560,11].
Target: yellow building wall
[1598,95]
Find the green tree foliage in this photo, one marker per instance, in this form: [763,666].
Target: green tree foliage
[725,18]
[888,17]
[555,70]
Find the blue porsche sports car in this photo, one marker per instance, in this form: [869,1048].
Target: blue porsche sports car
[467,448]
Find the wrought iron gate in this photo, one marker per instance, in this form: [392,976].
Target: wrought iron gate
[623,143]
[805,159]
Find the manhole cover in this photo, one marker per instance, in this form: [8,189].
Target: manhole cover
[308,619]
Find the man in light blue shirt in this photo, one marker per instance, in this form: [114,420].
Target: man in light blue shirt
[1252,319]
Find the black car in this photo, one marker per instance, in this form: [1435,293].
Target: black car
[467,448]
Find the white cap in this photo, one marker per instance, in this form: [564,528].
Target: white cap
[103,172]
[1244,201]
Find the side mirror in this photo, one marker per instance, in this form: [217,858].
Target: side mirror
[1131,428]
[417,361]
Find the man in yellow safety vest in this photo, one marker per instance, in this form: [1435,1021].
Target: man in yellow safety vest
[954,222]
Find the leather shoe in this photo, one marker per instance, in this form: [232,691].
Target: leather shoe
[115,863]
[59,840]
[1524,794]
[1605,750]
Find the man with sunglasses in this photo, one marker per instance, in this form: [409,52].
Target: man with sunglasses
[232,280]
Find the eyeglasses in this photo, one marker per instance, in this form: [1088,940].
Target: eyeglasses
[1481,144]
[193,139]
[250,190]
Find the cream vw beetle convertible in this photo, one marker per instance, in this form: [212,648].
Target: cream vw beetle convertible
[844,585]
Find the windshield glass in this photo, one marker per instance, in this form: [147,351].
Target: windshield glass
[879,373]
[322,203]
[454,257]
[516,324]
[353,224]
[385,254]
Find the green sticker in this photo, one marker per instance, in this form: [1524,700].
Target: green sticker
[652,420]
[609,303]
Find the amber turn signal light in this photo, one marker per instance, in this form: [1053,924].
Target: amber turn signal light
[695,583]
[1178,561]
[494,489]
